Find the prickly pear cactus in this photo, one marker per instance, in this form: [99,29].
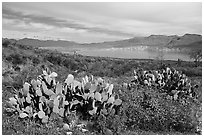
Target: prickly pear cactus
[43,96]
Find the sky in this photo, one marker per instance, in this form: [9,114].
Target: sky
[98,22]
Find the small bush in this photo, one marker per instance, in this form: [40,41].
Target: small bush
[5,43]
[35,60]
[16,59]
[191,71]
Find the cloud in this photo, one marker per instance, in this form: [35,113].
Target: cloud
[97,22]
[61,23]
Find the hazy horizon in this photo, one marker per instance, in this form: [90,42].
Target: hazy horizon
[99,22]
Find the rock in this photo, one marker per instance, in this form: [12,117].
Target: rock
[107,131]
[84,130]
[69,133]
[66,126]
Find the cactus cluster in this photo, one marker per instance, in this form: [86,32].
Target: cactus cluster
[169,80]
[91,96]
[41,97]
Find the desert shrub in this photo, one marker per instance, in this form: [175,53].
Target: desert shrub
[191,71]
[24,47]
[153,112]
[26,74]
[5,43]
[16,59]
[114,123]
[70,64]
[54,58]
[35,60]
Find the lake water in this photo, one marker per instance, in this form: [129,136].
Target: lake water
[129,53]
[136,54]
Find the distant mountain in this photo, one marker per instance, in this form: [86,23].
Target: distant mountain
[46,43]
[152,40]
[187,41]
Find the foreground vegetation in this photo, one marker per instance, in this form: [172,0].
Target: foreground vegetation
[149,113]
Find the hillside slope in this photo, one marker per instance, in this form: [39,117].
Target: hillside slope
[174,41]
[46,43]
[149,113]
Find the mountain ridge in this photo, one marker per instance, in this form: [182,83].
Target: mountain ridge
[172,41]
